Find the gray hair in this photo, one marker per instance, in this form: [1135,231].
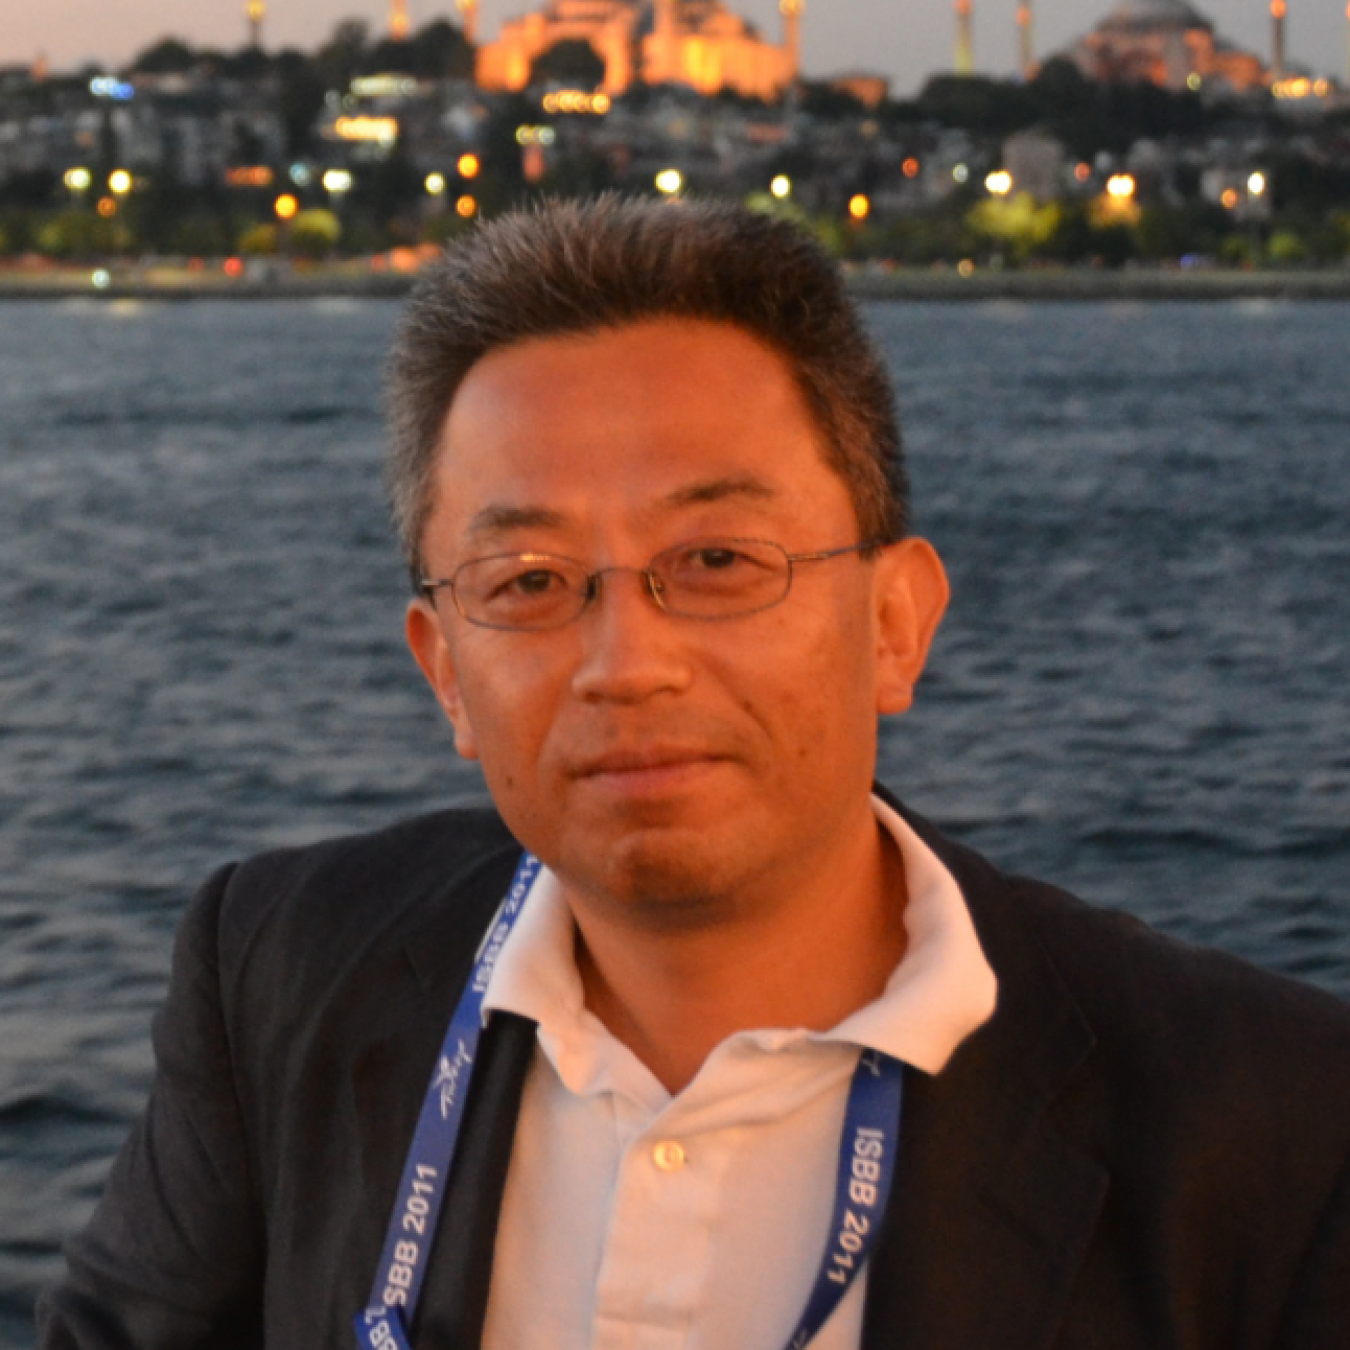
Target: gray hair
[568,267]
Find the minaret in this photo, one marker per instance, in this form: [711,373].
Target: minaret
[1026,44]
[965,37]
[1277,11]
[792,37]
[468,18]
[398,20]
[256,10]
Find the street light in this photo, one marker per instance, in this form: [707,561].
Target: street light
[119,181]
[999,183]
[435,184]
[1256,185]
[669,182]
[286,207]
[336,182]
[781,187]
[859,207]
[79,180]
[1120,187]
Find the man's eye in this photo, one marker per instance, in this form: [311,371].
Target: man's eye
[537,581]
[712,558]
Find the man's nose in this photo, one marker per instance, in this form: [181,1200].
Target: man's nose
[630,647]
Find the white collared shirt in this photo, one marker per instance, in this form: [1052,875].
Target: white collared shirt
[634,1220]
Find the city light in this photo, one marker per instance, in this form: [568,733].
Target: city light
[382,130]
[108,86]
[79,180]
[670,182]
[859,207]
[337,181]
[535,135]
[101,279]
[469,165]
[966,267]
[1229,198]
[253,175]
[435,184]
[577,101]
[911,167]
[999,183]
[467,207]
[1256,184]
[286,207]
[1082,171]
[384,86]
[234,267]
[119,181]
[1120,187]
[781,187]
[107,207]
[1194,83]
[961,173]
[301,175]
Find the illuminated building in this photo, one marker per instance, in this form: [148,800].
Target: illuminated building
[398,20]
[1167,43]
[256,11]
[698,43]
[965,37]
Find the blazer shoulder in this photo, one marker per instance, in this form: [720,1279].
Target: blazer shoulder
[341,897]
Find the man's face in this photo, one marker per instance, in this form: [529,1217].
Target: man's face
[654,761]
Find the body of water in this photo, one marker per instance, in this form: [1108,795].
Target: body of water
[1142,690]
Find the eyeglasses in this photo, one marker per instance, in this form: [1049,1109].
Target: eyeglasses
[701,579]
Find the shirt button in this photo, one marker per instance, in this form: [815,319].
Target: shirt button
[669,1156]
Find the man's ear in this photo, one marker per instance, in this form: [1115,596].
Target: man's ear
[912,595]
[431,651]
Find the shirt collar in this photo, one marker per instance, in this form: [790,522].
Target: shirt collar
[942,990]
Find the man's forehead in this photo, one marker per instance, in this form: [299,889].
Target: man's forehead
[504,517]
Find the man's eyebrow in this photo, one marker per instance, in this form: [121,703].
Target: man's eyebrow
[733,486]
[498,519]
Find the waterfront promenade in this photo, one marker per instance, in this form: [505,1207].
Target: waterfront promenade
[874,282]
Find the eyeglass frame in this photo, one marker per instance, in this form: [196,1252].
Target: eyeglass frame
[428,586]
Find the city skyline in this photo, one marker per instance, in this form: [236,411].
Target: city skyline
[906,40]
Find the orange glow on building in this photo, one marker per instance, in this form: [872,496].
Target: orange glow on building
[698,43]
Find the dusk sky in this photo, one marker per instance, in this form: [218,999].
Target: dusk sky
[905,39]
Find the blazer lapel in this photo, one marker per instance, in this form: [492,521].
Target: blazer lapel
[423,980]
[992,1210]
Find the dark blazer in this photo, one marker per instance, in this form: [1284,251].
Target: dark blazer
[1148,1146]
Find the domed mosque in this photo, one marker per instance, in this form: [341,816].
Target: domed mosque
[698,43]
[1164,42]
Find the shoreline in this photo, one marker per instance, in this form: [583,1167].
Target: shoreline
[866,283]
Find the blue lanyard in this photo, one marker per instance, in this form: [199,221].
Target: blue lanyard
[867,1154]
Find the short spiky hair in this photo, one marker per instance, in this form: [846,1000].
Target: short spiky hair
[570,267]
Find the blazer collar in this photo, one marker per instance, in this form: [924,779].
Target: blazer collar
[992,1210]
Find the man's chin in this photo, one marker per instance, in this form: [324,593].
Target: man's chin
[662,878]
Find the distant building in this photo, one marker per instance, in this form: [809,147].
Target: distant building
[1167,43]
[698,43]
[1038,163]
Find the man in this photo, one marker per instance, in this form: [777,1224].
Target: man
[767,1060]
